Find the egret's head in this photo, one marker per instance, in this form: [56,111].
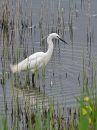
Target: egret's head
[56,36]
[53,35]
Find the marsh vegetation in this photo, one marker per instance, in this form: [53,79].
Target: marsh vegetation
[64,96]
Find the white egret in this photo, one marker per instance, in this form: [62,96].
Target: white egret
[38,59]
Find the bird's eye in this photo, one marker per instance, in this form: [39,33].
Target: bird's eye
[57,36]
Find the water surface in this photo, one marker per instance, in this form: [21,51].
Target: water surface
[29,21]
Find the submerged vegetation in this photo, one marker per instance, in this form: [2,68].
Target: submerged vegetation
[23,107]
[38,116]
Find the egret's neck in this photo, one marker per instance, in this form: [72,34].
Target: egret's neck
[50,47]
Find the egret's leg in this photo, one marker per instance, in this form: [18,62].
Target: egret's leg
[28,79]
[33,81]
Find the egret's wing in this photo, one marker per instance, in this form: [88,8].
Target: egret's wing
[28,63]
[36,62]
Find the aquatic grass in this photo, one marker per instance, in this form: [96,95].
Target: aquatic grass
[4,73]
[3,123]
[14,108]
[86,112]
[87,101]
[47,120]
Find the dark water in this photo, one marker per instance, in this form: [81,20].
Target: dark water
[34,19]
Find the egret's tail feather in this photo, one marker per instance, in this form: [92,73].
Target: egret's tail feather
[14,68]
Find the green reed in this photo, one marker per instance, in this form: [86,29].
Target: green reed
[85,115]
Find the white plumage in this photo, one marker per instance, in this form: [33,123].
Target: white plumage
[38,59]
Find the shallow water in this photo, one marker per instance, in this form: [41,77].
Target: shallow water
[62,80]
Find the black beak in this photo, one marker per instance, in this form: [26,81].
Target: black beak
[62,40]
